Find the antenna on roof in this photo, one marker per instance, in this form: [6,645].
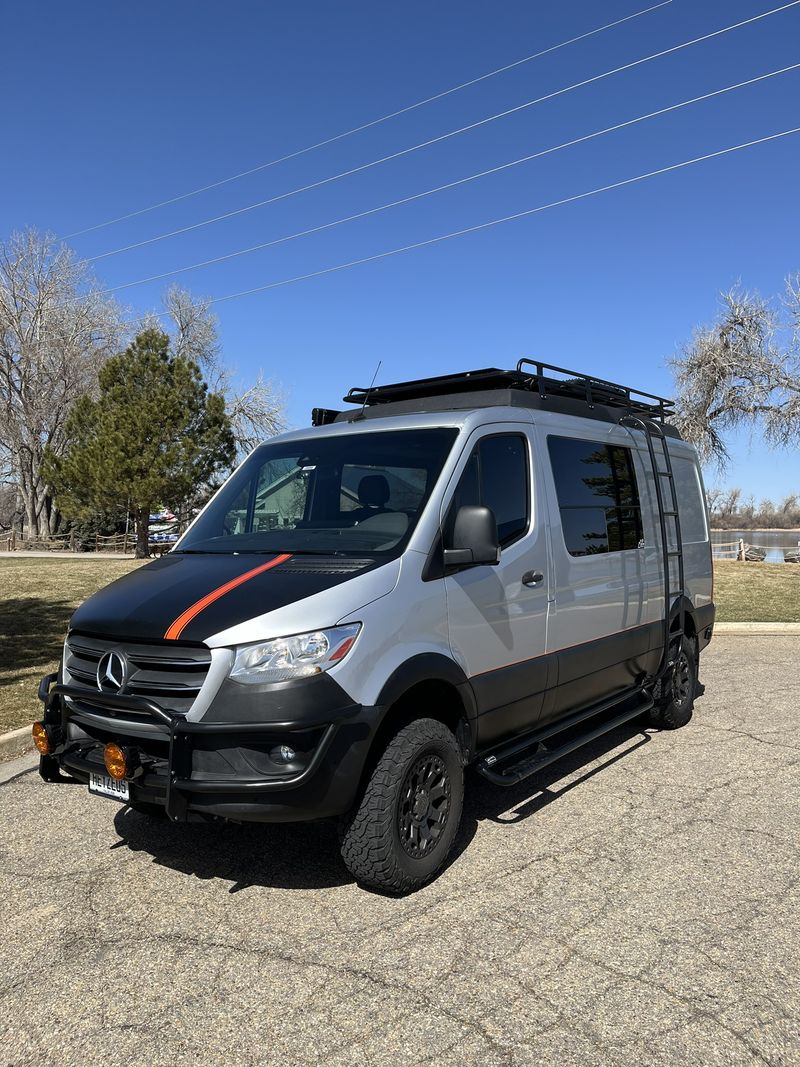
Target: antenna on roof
[360,414]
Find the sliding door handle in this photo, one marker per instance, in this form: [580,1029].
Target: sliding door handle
[532,578]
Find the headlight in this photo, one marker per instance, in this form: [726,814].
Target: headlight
[293,657]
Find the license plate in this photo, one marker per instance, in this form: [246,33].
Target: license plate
[104,786]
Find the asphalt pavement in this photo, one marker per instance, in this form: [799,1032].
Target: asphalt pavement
[637,904]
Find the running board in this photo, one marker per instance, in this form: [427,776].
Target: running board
[532,753]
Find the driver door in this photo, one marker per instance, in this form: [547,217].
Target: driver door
[497,615]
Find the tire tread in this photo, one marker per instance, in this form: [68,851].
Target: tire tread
[367,842]
[666,715]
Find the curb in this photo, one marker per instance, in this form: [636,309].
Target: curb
[15,768]
[15,743]
[759,629]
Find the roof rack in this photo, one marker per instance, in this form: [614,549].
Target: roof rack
[540,379]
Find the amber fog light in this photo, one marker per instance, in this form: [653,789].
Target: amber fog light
[40,739]
[114,759]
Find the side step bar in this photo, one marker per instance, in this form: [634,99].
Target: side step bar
[533,754]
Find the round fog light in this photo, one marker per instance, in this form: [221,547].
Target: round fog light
[40,739]
[283,754]
[114,759]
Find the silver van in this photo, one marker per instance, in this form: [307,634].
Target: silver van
[484,570]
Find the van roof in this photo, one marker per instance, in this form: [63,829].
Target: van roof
[544,386]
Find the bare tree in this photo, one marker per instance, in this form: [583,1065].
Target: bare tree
[729,512]
[729,503]
[738,373]
[55,330]
[714,497]
[194,333]
[790,505]
[256,412]
[792,305]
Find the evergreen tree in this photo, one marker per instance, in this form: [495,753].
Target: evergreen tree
[153,434]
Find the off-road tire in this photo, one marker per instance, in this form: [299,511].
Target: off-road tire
[675,707]
[377,837]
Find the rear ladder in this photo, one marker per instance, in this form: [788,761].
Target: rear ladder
[652,433]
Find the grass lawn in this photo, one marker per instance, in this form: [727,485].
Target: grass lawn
[757,592]
[37,597]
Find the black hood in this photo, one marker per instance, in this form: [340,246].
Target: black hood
[190,597]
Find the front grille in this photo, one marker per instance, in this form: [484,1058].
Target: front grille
[170,675]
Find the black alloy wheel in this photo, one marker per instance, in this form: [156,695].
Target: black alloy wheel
[683,680]
[400,832]
[424,805]
[674,709]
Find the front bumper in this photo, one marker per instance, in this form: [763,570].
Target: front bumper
[201,770]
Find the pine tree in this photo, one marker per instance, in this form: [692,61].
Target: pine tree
[153,434]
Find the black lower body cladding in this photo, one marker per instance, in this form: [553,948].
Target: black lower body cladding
[305,763]
[704,623]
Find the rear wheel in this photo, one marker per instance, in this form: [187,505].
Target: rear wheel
[399,835]
[675,707]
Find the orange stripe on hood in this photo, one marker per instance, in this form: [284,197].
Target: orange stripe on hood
[183,620]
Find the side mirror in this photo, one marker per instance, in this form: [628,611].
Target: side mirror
[474,538]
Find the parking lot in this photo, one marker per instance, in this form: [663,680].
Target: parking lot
[636,904]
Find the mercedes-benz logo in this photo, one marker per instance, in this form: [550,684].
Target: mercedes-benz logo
[112,672]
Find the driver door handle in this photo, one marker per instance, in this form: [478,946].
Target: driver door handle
[532,577]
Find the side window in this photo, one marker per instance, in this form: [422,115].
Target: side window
[597,496]
[497,477]
[690,501]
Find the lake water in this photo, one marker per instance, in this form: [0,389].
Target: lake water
[776,542]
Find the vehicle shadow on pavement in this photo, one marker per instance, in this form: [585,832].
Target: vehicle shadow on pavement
[270,855]
[306,855]
[508,806]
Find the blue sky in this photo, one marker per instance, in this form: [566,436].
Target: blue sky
[116,107]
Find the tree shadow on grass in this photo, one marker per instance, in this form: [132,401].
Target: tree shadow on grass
[31,634]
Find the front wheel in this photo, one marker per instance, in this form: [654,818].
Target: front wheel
[400,833]
[679,685]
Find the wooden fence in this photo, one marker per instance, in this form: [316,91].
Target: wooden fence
[745,551]
[729,549]
[118,544]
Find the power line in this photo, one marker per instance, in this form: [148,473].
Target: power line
[450,185]
[444,136]
[498,222]
[367,125]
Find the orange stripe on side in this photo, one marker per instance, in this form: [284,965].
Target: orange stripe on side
[183,620]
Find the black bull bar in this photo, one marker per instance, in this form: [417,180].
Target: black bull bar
[181,735]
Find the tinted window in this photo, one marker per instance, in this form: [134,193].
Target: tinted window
[359,493]
[690,501]
[497,477]
[597,496]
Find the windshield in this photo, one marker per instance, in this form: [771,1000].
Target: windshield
[355,494]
